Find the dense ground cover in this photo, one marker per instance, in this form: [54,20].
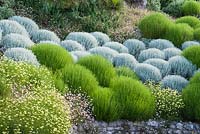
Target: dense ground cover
[80,77]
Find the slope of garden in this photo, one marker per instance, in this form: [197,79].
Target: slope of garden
[83,65]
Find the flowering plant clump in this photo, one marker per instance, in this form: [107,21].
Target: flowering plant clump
[44,112]
[169,102]
[80,108]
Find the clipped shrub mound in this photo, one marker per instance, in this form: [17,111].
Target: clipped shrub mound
[85,39]
[195,78]
[126,72]
[71,45]
[192,54]
[79,79]
[169,103]
[181,66]
[48,42]
[80,54]
[179,33]
[189,43]
[134,46]
[9,26]
[126,60]
[148,72]
[191,8]
[105,52]
[116,46]
[191,95]
[21,54]
[175,82]
[154,25]
[101,38]
[52,56]
[44,35]
[197,34]
[161,44]
[190,20]
[151,53]
[20,77]
[16,40]
[171,52]
[134,99]
[29,24]
[34,114]
[162,65]
[100,67]
[105,106]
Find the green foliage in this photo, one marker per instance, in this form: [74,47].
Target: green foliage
[21,77]
[154,25]
[43,112]
[100,67]
[6,12]
[192,54]
[179,33]
[174,8]
[105,106]
[195,79]
[78,77]
[154,5]
[4,88]
[169,103]
[165,3]
[135,100]
[191,7]
[127,72]
[191,95]
[190,20]
[197,34]
[52,56]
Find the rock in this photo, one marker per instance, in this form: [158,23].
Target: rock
[179,126]
[153,124]
[178,132]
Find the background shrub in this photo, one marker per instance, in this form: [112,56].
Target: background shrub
[105,106]
[102,38]
[52,56]
[6,12]
[179,33]
[126,60]
[148,72]
[135,100]
[134,46]
[105,52]
[9,26]
[126,72]
[191,100]
[117,47]
[192,54]
[151,53]
[161,44]
[171,52]
[16,40]
[169,103]
[85,39]
[22,77]
[154,25]
[100,67]
[71,45]
[189,43]
[22,55]
[197,34]
[153,5]
[175,82]
[79,79]
[44,35]
[174,8]
[181,66]
[162,65]
[191,8]
[190,20]
[35,113]
[29,24]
